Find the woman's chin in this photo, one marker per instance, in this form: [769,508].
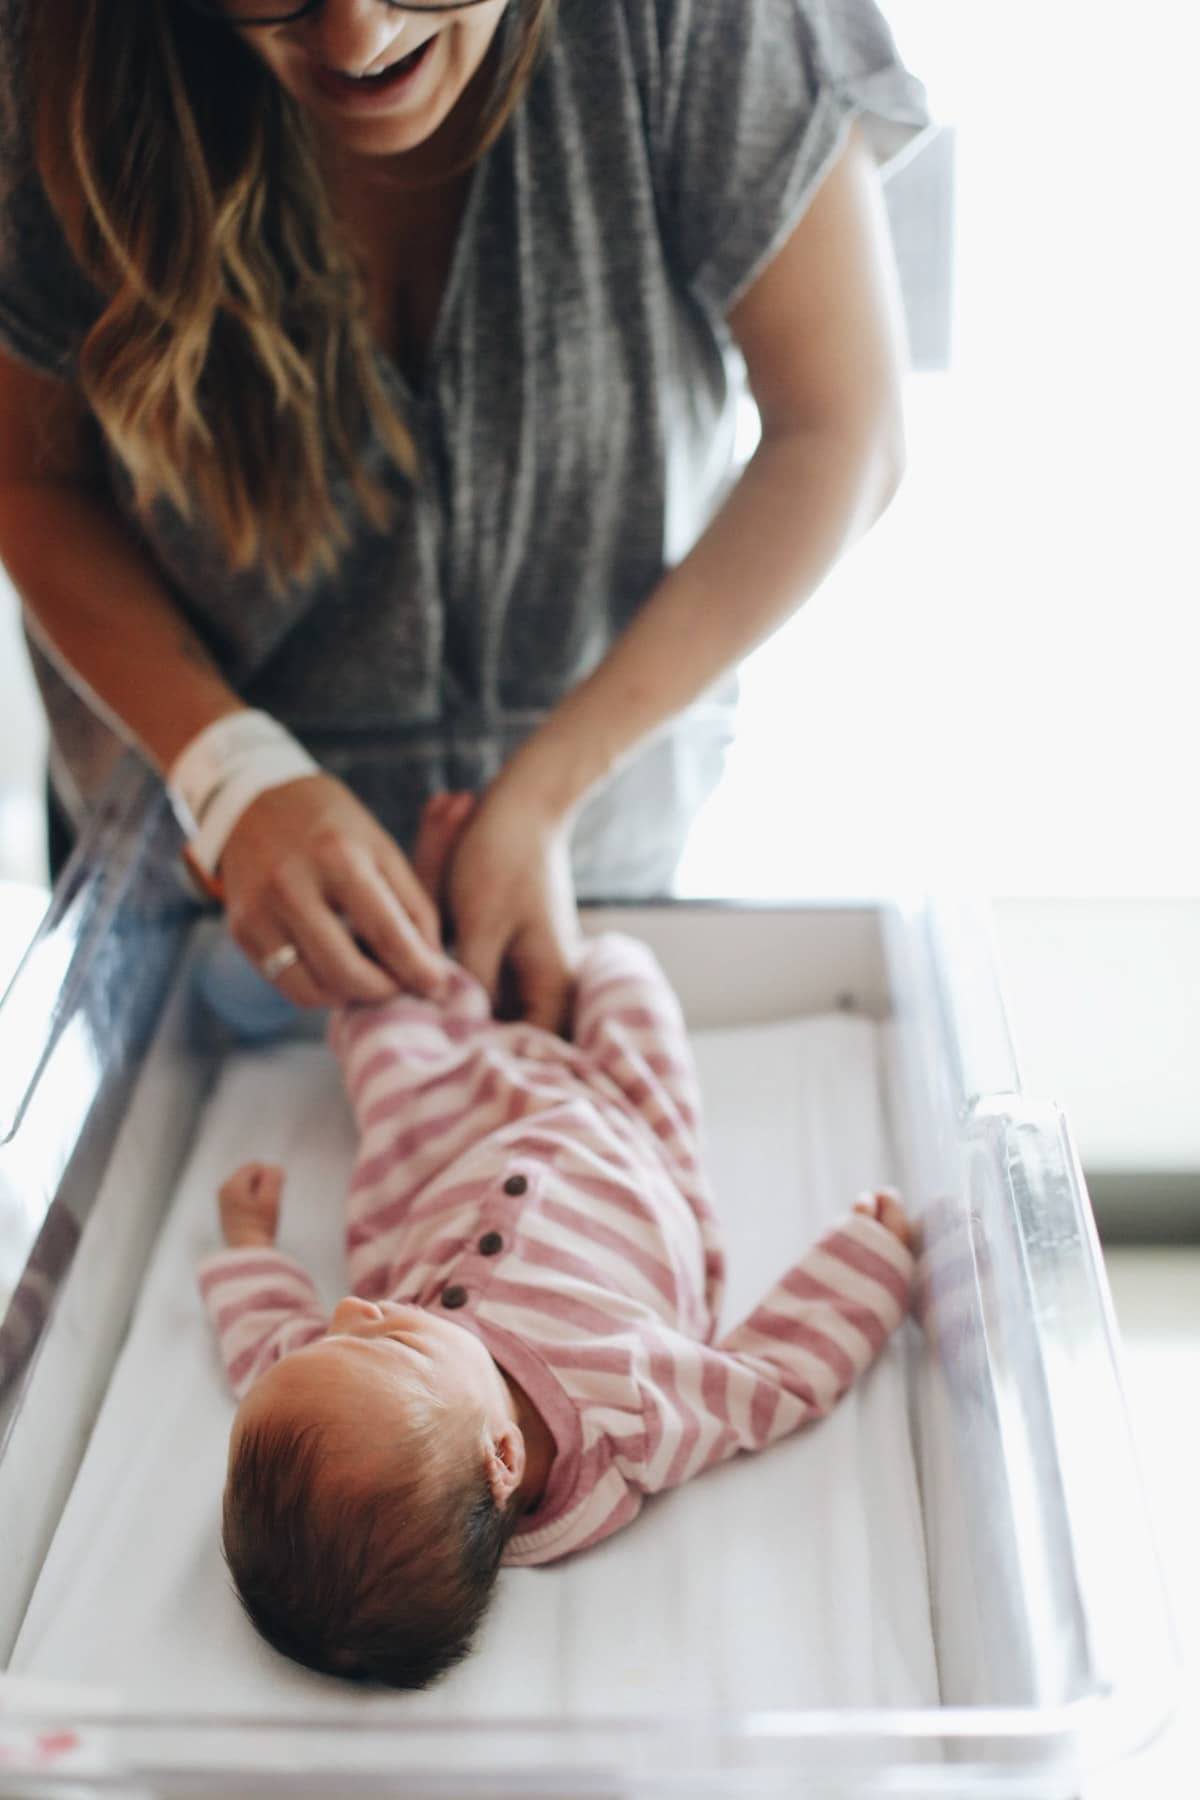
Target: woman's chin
[378,137]
[379,123]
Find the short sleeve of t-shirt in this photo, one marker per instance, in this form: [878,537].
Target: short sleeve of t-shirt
[45,303]
[747,103]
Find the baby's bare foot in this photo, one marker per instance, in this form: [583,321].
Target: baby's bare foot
[884,1205]
[442,821]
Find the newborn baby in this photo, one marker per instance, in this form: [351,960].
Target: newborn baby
[529,1344]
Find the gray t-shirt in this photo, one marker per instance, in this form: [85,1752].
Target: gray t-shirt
[575,419]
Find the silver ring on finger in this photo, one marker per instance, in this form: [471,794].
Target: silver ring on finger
[279,962]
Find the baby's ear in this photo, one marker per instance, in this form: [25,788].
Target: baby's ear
[504,1463]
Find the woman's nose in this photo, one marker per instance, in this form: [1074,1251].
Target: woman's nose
[352,35]
[352,1313]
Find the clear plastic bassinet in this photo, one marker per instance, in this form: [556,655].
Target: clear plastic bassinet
[1052,1647]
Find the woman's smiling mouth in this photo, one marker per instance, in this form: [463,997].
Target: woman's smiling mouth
[370,91]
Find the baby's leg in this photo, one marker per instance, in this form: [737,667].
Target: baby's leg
[442,822]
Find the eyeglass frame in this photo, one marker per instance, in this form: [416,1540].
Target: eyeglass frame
[211,9]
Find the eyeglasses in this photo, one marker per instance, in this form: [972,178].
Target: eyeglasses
[261,12]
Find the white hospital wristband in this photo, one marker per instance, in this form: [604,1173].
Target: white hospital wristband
[229,764]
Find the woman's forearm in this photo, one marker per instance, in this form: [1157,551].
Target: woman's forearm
[802,500]
[95,600]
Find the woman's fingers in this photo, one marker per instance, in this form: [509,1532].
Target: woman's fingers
[299,987]
[330,968]
[329,930]
[512,902]
[411,896]
[392,913]
[276,948]
[307,869]
[535,958]
[295,981]
[545,980]
[264,947]
[332,961]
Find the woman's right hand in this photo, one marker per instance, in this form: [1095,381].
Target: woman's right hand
[307,865]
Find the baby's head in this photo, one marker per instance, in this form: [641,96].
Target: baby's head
[374,1480]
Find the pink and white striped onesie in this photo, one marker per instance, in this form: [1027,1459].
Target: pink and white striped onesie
[549,1195]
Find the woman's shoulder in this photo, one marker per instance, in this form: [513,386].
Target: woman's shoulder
[740,106]
[666,38]
[676,53]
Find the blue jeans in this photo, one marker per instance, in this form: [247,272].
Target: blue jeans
[254,1011]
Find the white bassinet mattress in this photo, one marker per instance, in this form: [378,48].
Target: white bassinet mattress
[795,1578]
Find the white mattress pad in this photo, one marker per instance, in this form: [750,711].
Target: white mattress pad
[791,1579]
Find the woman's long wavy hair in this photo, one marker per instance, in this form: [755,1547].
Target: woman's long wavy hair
[232,370]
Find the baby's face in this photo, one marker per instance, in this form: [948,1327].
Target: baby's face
[376,1363]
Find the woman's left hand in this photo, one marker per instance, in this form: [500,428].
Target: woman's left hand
[512,905]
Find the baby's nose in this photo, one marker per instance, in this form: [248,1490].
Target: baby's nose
[352,1311]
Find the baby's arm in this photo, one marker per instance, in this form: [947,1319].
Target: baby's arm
[629,1021]
[262,1303]
[790,1362]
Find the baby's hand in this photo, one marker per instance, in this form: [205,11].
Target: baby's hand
[250,1206]
[885,1206]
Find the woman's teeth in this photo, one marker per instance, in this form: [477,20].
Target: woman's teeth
[396,68]
[376,89]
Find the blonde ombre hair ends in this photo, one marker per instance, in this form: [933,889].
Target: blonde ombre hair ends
[232,369]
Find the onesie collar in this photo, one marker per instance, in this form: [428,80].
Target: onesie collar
[545,1391]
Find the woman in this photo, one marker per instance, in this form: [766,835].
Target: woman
[373,367]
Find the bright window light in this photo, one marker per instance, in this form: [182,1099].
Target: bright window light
[997,689]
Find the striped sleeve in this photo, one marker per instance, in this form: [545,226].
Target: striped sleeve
[262,1305]
[630,1023]
[790,1362]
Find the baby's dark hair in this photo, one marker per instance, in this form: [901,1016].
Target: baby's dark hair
[385,1584]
